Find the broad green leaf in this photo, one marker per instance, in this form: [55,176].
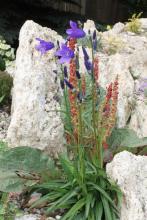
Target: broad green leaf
[26,159]
[123,137]
[24,166]
[10,182]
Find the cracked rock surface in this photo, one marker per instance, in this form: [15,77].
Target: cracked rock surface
[130,173]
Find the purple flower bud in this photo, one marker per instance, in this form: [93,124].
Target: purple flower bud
[78,74]
[69,85]
[95,44]
[62,84]
[85,53]
[88,65]
[94,35]
[65,72]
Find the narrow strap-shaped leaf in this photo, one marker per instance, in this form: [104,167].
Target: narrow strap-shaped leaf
[98,188]
[107,210]
[62,200]
[74,210]
[98,211]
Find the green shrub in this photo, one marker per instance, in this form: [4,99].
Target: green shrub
[6,83]
[6,54]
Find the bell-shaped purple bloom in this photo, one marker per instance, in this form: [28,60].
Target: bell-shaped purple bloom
[74,31]
[65,54]
[44,46]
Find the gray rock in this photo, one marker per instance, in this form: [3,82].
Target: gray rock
[28,217]
[130,173]
[34,120]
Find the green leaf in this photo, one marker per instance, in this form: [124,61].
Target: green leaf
[107,210]
[1,98]
[74,210]
[98,211]
[103,193]
[10,182]
[67,166]
[24,166]
[123,137]
[87,205]
[61,201]
[2,64]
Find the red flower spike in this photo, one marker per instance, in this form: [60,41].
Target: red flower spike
[96,68]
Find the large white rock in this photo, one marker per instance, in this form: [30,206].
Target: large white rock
[34,120]
[130,173]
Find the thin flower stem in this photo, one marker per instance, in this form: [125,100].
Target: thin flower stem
[98,138]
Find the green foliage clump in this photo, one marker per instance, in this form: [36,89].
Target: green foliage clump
[6,54]
[134,24]
[6,83]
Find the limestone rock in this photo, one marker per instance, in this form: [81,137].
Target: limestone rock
[28,217]
[138,120]
[89,25]
[130,173]
[34,121]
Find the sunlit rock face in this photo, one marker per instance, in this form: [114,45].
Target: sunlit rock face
[130,173]
[34,120]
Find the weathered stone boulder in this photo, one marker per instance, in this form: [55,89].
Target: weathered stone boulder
[130,173]
[35,121]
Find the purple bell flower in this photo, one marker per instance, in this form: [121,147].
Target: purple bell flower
[44,46]
[74,31]
[65,54]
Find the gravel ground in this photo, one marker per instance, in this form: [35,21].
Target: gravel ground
[4,124]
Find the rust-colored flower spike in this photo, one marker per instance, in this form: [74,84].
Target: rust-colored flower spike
[83,85]
[96,68]
[110,116]
[107,104]
[72,43]
[73,95]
